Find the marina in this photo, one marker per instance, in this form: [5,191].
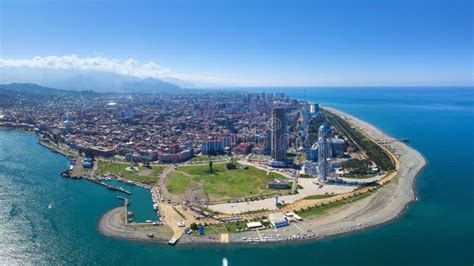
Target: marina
[111,187]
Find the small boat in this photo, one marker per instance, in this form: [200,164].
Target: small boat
[225,262]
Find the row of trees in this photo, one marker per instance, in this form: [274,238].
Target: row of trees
[374,151]
[313,128]
[358,167]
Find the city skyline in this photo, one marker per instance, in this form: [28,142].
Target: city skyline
[236,132]
[240,43]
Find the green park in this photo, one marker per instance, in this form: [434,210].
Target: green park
[222,182]
[139,173]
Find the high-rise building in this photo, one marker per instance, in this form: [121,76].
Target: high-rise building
[314,108]
[279,140]
[324,151]
[212,147]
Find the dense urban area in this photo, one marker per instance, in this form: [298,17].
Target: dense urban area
[234,161]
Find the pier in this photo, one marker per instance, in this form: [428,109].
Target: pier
[111,187]
[125,207]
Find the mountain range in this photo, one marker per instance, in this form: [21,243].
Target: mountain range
[98,81]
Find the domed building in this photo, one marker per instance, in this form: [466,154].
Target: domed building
[325,130]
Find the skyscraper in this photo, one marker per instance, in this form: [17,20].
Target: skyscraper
[278,127]
[324,151]
[314,108]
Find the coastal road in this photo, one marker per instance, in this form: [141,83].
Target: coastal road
[163,180]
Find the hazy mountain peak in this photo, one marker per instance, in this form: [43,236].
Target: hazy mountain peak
[76,79]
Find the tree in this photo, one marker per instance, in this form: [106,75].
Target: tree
[375,152]
[210,166]
[194,227]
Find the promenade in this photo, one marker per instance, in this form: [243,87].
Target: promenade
[386,204]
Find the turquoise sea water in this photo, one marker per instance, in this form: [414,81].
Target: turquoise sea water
[436,230]
[141,203]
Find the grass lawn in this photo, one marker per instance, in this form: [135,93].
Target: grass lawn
[143,175]
[177,183]
[224,183]
[233,226]
[325,196]
[324,208]
[222,228]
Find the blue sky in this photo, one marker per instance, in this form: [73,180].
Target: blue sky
[255,43]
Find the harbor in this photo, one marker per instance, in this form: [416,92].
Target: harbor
[140,213]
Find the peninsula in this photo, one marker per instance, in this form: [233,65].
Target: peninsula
[225,167]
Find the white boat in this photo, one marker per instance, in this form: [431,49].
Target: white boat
[225,262]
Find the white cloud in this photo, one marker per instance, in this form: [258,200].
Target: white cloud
[129,67]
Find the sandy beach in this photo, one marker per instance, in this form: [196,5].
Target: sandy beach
[386,204]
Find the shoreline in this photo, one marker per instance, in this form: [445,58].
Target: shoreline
[327,225]
[112,224]
[386,205]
